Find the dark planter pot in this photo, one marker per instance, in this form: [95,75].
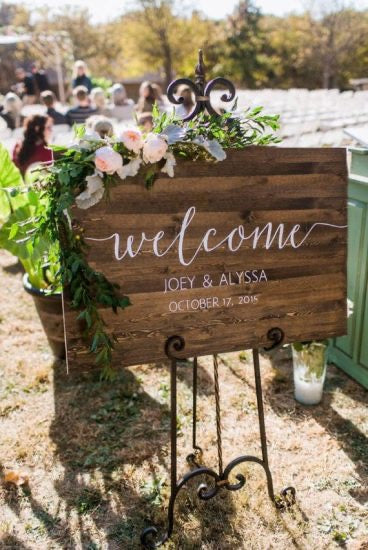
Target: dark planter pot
[50,312]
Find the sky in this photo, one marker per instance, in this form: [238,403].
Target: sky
[105,10]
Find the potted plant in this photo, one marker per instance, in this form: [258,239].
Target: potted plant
[20,212]
[309,366]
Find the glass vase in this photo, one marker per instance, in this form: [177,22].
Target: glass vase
[309,366]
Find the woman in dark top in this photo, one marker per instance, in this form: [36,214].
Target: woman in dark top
[33,148]
[80,76]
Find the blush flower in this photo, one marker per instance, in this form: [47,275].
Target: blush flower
[107,160]
[154,148]
[92,194]
[132,139]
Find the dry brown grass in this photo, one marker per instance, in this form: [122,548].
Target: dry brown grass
[97,453]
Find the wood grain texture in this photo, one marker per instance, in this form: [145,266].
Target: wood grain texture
[305,290]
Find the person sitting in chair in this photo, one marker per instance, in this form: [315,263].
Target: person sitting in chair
[83,110]
[48,99]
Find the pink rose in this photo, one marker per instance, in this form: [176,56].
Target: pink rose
[132,139]
[107,160]
[154,148]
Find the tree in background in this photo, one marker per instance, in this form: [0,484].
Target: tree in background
[92,43]
[336,34]
[290,53]
[243,54]
[155,38]
[321,49]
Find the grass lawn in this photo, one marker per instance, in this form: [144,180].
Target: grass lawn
[96,454]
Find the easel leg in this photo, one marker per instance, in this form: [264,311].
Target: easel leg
[173,425]
[261,420]
[195,458]
[287,495]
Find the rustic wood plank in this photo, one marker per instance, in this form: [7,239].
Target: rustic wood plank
[303,290]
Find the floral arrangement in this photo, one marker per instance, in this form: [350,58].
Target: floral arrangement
[83,173]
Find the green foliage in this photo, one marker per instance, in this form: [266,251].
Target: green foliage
[152,490]
[244,45]
[311,356]
[101,82]
[10,184]
[231,130]
[236,132]
[309,346]
[89,290]
[38,255]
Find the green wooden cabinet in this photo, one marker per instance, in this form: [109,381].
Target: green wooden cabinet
[350,352]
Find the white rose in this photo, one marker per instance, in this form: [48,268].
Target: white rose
[92,194]
[107,160]
[129,169]
[132,139]
[154,148]
[168,167]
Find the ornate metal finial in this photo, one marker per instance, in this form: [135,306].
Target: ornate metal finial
[200,72]
[201,90]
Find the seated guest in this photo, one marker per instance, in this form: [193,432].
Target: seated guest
[145,121]
[147,97]
[48,99]
[33,148]
[83,110]
[80,77]
[98,100]
[159,99]
[25,87]
[122,108]
[11,111]
[100,125]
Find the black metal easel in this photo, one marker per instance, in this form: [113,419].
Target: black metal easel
[175,345]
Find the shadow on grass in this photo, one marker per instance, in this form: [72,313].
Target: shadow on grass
[100,429]
[107,430]
[205,382]
[9,542]
[351,439]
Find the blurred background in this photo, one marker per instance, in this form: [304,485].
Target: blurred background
[307,61]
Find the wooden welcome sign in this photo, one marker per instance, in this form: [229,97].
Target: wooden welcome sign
[223,252]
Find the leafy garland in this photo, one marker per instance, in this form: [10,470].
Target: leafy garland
[83,173]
